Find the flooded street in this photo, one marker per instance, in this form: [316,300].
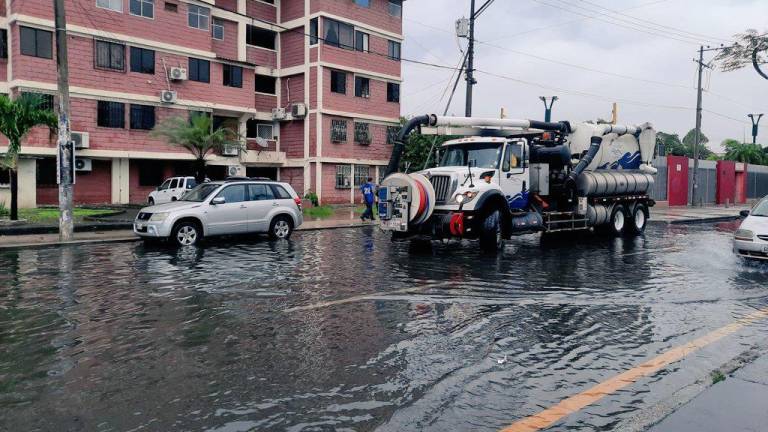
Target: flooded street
[345,330]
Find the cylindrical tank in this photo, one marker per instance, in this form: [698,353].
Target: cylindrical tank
[614,182]
[556,156]
[597,214]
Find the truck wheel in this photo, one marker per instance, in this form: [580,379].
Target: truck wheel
[639,219]
[491,236]
[618,220]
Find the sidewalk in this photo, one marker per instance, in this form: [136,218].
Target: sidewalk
[342,218]
[740,403]
[685,215]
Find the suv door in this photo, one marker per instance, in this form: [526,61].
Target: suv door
[232,216]
[262,203]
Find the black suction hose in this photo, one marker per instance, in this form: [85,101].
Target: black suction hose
[594,147]
[402,137]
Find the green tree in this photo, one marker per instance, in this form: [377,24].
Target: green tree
[17,118]
[744,152]
[198,137]
[671,143]
[418,148]
[688,141]
[750,48]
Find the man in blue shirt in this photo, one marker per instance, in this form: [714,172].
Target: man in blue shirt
[369,191]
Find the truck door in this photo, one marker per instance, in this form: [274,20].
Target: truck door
[514,180]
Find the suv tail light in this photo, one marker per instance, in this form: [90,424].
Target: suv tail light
[297,200]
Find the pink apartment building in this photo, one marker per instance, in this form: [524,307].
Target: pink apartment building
[317,80]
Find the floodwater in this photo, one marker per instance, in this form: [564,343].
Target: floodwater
[345,330]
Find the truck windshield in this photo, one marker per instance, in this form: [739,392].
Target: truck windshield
[200,193]
[481,155]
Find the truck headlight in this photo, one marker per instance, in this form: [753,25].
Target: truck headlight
[159,217]
[465,197]
[743,235]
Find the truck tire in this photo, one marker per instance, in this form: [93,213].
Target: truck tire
[618,221]
[639,219]
[491,235]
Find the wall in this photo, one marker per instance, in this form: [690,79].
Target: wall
[94,187]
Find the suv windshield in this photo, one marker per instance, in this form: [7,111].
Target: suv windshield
[200,193]
[761,209]
[481,155]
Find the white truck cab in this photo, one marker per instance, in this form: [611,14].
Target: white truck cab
[171,190]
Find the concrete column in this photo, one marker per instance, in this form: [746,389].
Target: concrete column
[318,177]
[27,183]
[241,29]
[120,181]
[241,8]
[352,189]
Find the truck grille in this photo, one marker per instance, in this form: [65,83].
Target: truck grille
[442,185]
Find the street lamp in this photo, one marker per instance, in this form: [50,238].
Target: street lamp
[548,108]
[754,125]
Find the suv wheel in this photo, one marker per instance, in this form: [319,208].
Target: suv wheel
[186,233]
[280,228]
[151,201]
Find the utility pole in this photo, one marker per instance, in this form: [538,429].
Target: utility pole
[754,125]
[548,108]
[697,135]
[470,66]
[65,145]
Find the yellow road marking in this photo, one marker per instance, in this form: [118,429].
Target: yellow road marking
[574,403]
[369,296]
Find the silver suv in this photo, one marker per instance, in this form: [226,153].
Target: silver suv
[223,208]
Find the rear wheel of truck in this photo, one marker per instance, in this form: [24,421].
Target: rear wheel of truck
[639,219]
[491,235]
[618,220]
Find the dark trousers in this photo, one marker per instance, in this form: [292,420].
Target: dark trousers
[368,213]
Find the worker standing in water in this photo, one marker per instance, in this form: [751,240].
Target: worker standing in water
[368,190]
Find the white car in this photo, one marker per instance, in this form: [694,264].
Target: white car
[171,190]
[227,207]
[751,239]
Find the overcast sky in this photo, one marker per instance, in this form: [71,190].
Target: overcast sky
[511,32]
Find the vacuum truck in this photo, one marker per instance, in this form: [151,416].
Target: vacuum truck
[505,177]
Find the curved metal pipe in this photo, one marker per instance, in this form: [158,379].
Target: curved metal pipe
[402,136]
[594,147]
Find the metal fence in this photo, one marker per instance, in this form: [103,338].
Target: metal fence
[659,190]
[757,181]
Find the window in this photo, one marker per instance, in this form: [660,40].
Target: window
[5,176]
[339,34]
[363,3]
[142,117]
[46,172]
[145,8]
[393,92]
[115,5]
[313,33]
[394,50]
[260,37]
[362,133]
[171,7]
[46,100]
[362,87]
[361,41]
[174,184]
[3,43]
[191,183]
[199,70]
[339,130]
[142,60]
[110,114]
[392,132]
[36,42]
[362,172]
[265,84]
[514,157]
[233,194]
[217,31]
[198,17]
[150,172]
[280,192]
[261,192]
[396,8]
[109,55]
[343,180]
[233,76]
[338,82]
[256,129]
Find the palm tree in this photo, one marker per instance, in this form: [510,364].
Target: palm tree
[743,152]
[198,137]
[750,48]
[17,118]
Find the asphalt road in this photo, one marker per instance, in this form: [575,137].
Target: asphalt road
[345,330]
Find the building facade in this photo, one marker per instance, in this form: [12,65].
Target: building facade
[314,85]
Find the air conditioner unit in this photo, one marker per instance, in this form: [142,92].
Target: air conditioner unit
[230,151]
[83,164]
[177,73]
[168,96]
[81,140]
[298,110]
[232,170]
[278,113]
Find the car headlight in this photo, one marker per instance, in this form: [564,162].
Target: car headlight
[743,235]
[465,197]
[159,217]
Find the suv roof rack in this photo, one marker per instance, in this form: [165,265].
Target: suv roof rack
[243,178]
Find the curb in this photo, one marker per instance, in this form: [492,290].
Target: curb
[703,220]
[53,229]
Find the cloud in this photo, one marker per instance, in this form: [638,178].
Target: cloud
[511,34]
